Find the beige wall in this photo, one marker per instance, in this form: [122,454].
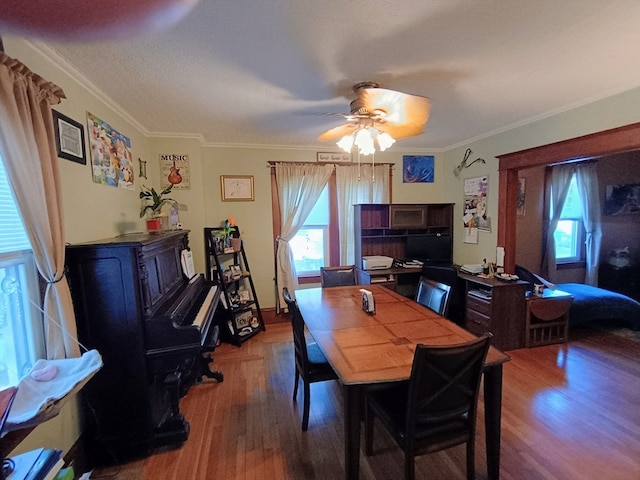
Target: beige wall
[615,111]
[95,211]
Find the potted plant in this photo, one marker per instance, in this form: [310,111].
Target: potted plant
[229,236]
[152,205]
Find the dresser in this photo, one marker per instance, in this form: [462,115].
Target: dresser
[624,280]
[496,306]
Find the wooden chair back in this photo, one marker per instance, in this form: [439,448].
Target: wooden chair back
[434,295]
[338,276]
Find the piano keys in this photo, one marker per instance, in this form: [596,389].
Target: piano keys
[155,330]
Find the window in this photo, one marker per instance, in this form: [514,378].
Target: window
[569,234]
[20,323]
[310,246]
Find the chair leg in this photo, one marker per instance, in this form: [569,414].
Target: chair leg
[409,466]
[307,401]
[295,386]
[471,460]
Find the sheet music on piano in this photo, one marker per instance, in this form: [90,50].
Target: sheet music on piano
[186,260]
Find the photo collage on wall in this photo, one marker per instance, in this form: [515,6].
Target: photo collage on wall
[110,153]
[476,216]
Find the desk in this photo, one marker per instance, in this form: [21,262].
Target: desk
[401,280]
[367,349]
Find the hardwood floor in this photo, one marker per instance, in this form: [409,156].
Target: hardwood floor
[569,412]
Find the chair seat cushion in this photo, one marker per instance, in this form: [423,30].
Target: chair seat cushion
[319,368]
[315,354]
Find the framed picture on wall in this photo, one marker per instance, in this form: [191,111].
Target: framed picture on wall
[417,169]
[237,188]
[622,199]
[520,198]
[69,138]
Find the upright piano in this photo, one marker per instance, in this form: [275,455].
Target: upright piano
[153,327]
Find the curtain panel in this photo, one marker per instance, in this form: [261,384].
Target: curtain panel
[358,184]
[587,182]
[28,148]
[299,187]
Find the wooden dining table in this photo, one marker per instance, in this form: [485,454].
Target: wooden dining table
[367,349]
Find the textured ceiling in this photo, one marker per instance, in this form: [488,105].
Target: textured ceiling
[267,72]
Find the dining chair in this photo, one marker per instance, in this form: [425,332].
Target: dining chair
[434,295]
[338,276]
[311,364]
[436,408]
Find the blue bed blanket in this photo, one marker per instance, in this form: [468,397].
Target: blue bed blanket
[593,304]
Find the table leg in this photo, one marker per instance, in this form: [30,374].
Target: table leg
[352,411]
[492,415]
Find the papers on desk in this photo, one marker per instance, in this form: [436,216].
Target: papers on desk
[484,294]
[412,264]
[473,269]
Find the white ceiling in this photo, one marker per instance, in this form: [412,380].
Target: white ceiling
[266,72]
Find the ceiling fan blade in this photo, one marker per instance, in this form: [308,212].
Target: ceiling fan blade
[396,107]
[338,132]
[398,131]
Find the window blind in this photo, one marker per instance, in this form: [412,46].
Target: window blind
[12,234]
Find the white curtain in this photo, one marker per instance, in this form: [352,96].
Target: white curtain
[299,187]
[560,181]
[587,182]
[28,149]
[358,184]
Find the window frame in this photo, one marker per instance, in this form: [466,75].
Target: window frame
[334,229]
[580,258]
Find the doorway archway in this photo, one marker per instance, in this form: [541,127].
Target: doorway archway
[617,140]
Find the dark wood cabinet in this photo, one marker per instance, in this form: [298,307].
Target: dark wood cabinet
[497,307]
[404,231]
[625,280]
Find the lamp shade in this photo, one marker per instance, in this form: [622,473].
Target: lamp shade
[89,19]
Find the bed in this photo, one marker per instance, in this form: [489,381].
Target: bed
[593,304]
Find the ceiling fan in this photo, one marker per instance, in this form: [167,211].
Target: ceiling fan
[381,115]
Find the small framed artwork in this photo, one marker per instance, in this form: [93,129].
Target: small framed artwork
[622,199]
[235,270]
[520,198]
[417,169]
[237,188]
[69,138]
[334,157]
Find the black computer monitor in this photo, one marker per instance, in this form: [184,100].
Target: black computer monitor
[428,248]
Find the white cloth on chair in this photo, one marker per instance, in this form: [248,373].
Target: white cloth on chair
[38,401]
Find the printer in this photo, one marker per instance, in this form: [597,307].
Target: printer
[376,262]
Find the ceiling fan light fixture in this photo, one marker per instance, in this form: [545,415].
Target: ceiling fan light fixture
[346,143]
[364,142]
[385,141]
